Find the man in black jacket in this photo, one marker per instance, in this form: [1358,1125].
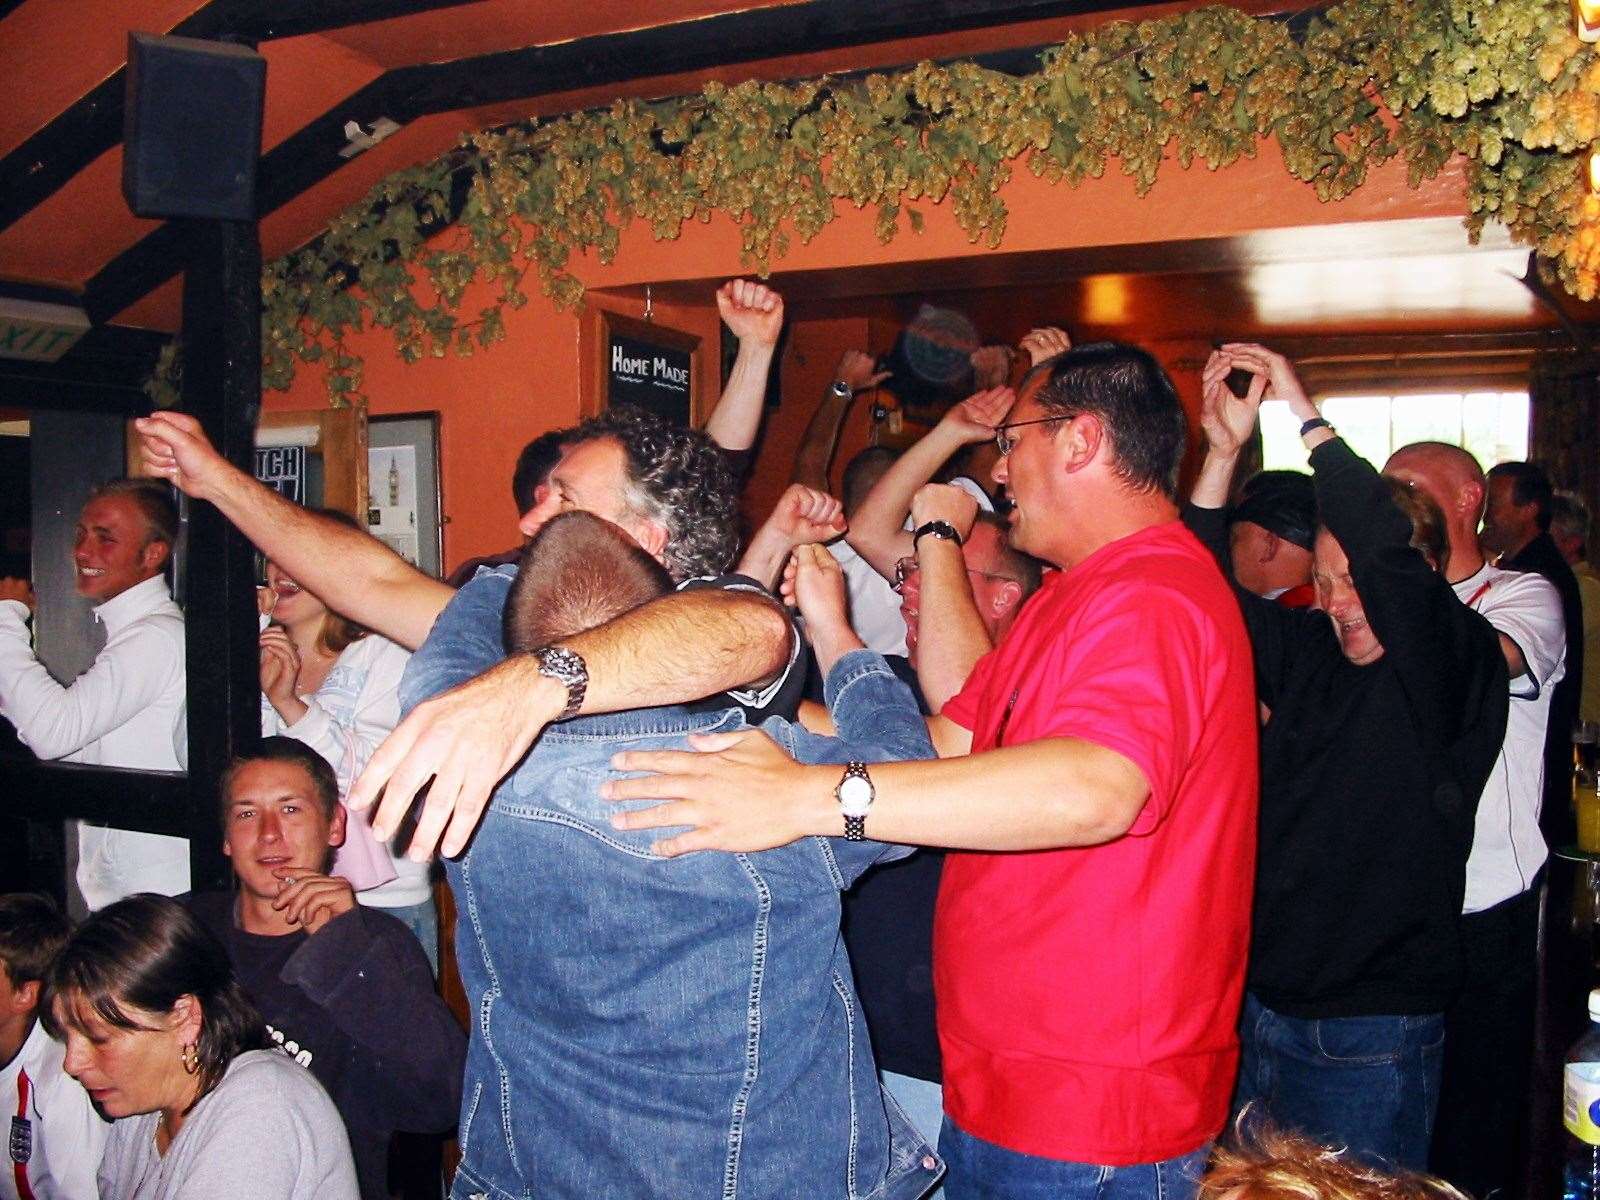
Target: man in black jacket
[1387,710]
[346,990]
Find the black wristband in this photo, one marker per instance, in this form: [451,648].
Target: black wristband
[939,529]
[1314,423]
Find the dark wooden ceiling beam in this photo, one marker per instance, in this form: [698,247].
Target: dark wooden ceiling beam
[104,372]
[311,155]
[44,163]
[151,801]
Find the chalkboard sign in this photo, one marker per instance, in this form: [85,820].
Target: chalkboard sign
[649,366]
[283,468]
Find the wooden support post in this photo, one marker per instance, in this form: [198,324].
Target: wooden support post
[221,387]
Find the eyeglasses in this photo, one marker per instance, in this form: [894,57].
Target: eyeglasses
[906,567]
[1007,443]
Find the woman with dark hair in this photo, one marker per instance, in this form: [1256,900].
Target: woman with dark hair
[331,684]
[163,1038]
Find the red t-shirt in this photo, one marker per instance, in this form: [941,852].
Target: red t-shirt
[1087,998]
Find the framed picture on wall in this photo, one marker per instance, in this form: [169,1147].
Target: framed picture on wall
[403,507]
[644,364]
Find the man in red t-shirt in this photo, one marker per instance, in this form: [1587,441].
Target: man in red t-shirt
[1097,781]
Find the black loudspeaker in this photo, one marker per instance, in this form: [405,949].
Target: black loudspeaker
[192,128]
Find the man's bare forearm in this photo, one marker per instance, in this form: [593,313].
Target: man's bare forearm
[953,637]
[1215,480]
[877,529]
[680,648]
[683,647]
[351,572]
[821,438]
[737,417]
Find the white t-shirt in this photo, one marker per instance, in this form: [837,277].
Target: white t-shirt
[64,1136]
[124,711]
[874,604]
[1507,847]
[266,1132]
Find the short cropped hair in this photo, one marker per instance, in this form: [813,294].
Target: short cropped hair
[1569,516]
[154,501]
[864,470]
[33,932]
[679,478]
[578,572]
[143,953]
[1023,569]
[1529,485]
[324,784]
[534,464]
[1135,402]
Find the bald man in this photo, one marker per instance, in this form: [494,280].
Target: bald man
[1489,1031]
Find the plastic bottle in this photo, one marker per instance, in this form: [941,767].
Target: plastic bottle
[1581,1110]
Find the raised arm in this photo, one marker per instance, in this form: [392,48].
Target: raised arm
[677,649]
[1227,421]
[856,372]
[353,573]
[802,516]
[877,528]
[951,634]
[1437,645]
[754,312]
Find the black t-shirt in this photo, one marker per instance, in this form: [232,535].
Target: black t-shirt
[355,1005]
[779,698]
[888,930]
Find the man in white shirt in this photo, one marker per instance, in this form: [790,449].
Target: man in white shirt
[53,1133]
[1489,1032]
[124,710]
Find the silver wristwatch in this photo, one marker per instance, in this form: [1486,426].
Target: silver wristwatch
[855,794]
[568,668]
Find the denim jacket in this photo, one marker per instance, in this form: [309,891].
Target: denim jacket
[680,1027]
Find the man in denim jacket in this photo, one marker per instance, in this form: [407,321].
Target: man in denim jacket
[652,1027]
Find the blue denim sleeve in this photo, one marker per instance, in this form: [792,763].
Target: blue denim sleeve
[878,721]
[464,642]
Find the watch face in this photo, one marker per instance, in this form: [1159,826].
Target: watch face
[855,796]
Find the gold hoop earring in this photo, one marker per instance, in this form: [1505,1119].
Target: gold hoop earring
[190,1058]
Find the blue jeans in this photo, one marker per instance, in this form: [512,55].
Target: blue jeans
[980,1170]
[923,1102]
[1367,1083]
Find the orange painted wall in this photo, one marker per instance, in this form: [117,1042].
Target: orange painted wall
[493,402]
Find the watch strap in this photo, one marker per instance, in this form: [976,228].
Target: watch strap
[567,668]
[1314,423]
[942,530]
[855,826]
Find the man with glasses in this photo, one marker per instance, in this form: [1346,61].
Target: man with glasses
[1088,975]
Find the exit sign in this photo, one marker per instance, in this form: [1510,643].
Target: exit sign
[39,332]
